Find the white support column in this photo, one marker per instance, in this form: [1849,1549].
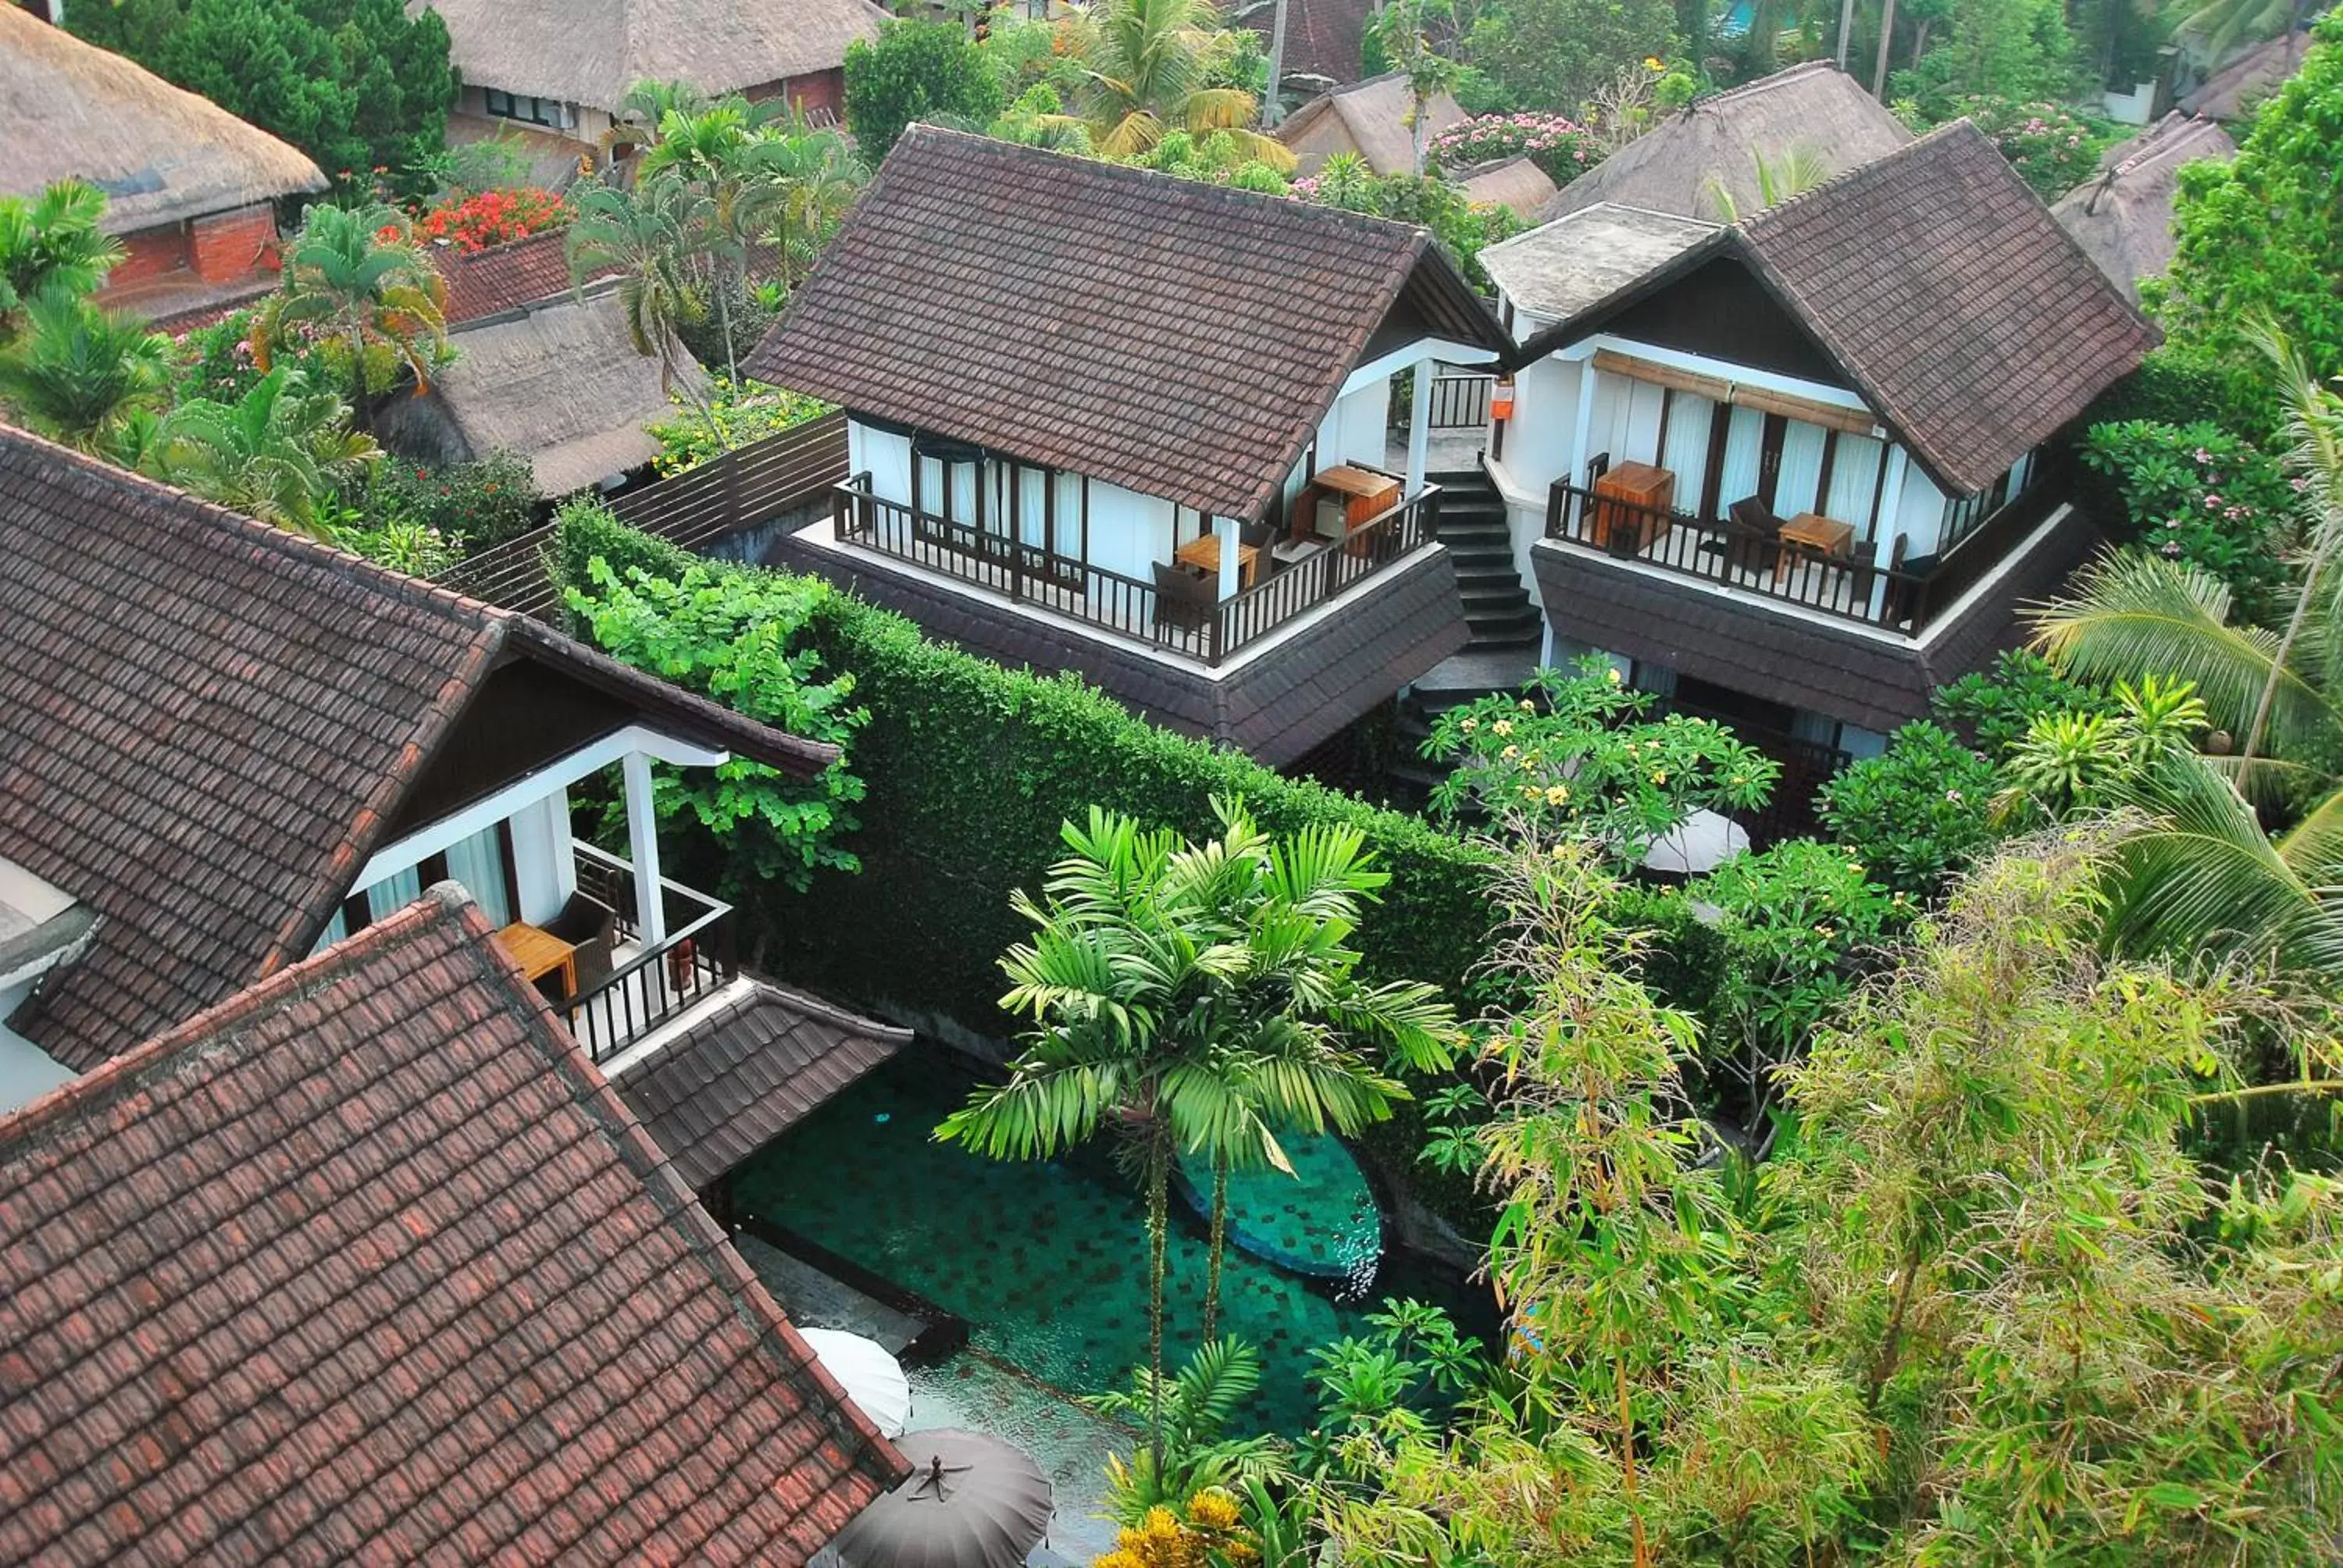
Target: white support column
[1584,425]
[642,844]
[1225,531]
[1886,526]
[1419,427]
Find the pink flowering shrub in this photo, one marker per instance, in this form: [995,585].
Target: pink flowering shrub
[1562,148]
[2198,493]
[2052,149]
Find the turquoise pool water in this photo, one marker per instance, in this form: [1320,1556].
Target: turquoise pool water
[1046,1260]
[1318,1217]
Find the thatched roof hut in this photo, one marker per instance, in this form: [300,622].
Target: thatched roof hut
[2122,218]
[1517,183]
[1370,119]
[559,382]
[70,110]
[2238,88]
[1670,168]
[591,52]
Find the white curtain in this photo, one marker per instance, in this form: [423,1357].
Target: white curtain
[1854,482]
[1639,437]
[393,893]
[1798,487]
[1069,542]
[478,862]
[1744,435]
[1686,456]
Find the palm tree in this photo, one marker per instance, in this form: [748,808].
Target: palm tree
[52,242]
[1143,65]
[821,178]
[1797,171]
[351,281]
[2216,26]
[646,236]
[275,454]
[1200,997]
[76,374]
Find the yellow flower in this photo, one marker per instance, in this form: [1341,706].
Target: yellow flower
[1856,867]
[1527,706]
[1470,725]
[1529,792]
[1654,63]
[1510,752]
[1614,673]
[1213,1508]
[1503,727]
[1556,795]
[1824,932]
[1660,777]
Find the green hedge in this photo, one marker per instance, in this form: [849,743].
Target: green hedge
[970,770]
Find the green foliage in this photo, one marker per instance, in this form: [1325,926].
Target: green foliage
[2088,764]
[216,361]
[279,453]
[1554,54]
[52,243]
[1148,68]
[1918,814]
[971,769]
[78,373]
[470,506]
[1397,1376]
[730,636]
[360,86]
[2054,148]
[1462,229]
[1197,1403]
[2262,237]
[1575,753]
[2017,50]
[357,292]
[740,411]
[2198,494]
[1993,708]
[915,71]
[1560,146]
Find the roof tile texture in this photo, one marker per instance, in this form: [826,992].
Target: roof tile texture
[370,1265]
[1175,337]
[743,1075]
[1941,282]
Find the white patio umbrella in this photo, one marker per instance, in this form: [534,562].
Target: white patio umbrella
[1697,845]
[871,1378]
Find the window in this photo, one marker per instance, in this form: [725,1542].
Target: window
[483,863]
[535,111]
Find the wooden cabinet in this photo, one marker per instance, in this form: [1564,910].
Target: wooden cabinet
[1365,494]
[1632,505]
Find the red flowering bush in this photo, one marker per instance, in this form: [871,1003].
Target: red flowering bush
[492,217]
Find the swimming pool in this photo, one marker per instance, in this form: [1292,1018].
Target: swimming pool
[1046,1260]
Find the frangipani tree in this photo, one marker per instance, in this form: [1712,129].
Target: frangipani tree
[1201,998]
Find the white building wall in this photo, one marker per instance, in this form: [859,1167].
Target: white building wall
[1129,532]
[1921,518]
[885,455]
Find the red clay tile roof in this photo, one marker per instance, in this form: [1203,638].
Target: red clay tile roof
[1965,314]
[503,276]
[1322,37]
[369,1265]
[746,1074]
[1175,337]
[205,722]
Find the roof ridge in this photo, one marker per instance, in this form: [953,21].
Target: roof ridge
[1846,178]
[288,985]
[1803,69]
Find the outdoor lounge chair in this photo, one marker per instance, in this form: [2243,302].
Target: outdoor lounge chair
[1752,533]
[586,924]
[1184,597]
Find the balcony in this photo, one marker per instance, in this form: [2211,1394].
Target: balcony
[1209,631]
[654,976]
[1850,588]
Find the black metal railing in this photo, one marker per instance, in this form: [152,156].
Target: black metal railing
[650,982]
[1852,587]
[1460,401]
[1110,602]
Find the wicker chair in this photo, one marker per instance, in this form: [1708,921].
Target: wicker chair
[1183,598]
[589,925]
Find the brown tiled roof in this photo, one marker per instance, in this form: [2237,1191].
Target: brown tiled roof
[503,276]
[741,1077]
[369,1265]
[205,722]
[1965,314]
[1322,37]
[1178,338]
[1944,291]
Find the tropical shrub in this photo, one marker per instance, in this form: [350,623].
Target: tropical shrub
[1915,815]
[1560,146]
[470,506]
[51,243]
[737,413]
[1461,228]
[474,223]
[1994,707]
[1575,753]
[2199,495]
[915,70]
[1556,54]
[2052,148]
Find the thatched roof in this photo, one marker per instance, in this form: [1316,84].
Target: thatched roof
[1369,118]
[591,51]
[1669,168]
[2238,88]
[2122,218]
[70,110]
[1517,183]
[559,384]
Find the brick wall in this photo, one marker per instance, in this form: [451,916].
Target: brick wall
[150,254]
[228,246]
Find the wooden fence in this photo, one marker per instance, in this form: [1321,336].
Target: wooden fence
[736,491]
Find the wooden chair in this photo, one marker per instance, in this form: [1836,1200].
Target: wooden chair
[1752,533]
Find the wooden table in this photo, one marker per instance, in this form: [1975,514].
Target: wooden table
[1635,498]
[541,953]
[1367,494]
[1816,532]
[1204,553]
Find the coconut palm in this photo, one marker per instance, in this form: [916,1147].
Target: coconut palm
[819,178]
[51,242]
[1795,172]
[1143,65]
[372,297]
[1200,998]
[277,454]
[646,236]
[76,374]
[2216,26]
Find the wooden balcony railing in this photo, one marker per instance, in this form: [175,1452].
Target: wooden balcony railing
[1856,589]
[650,982]
[1124,606]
